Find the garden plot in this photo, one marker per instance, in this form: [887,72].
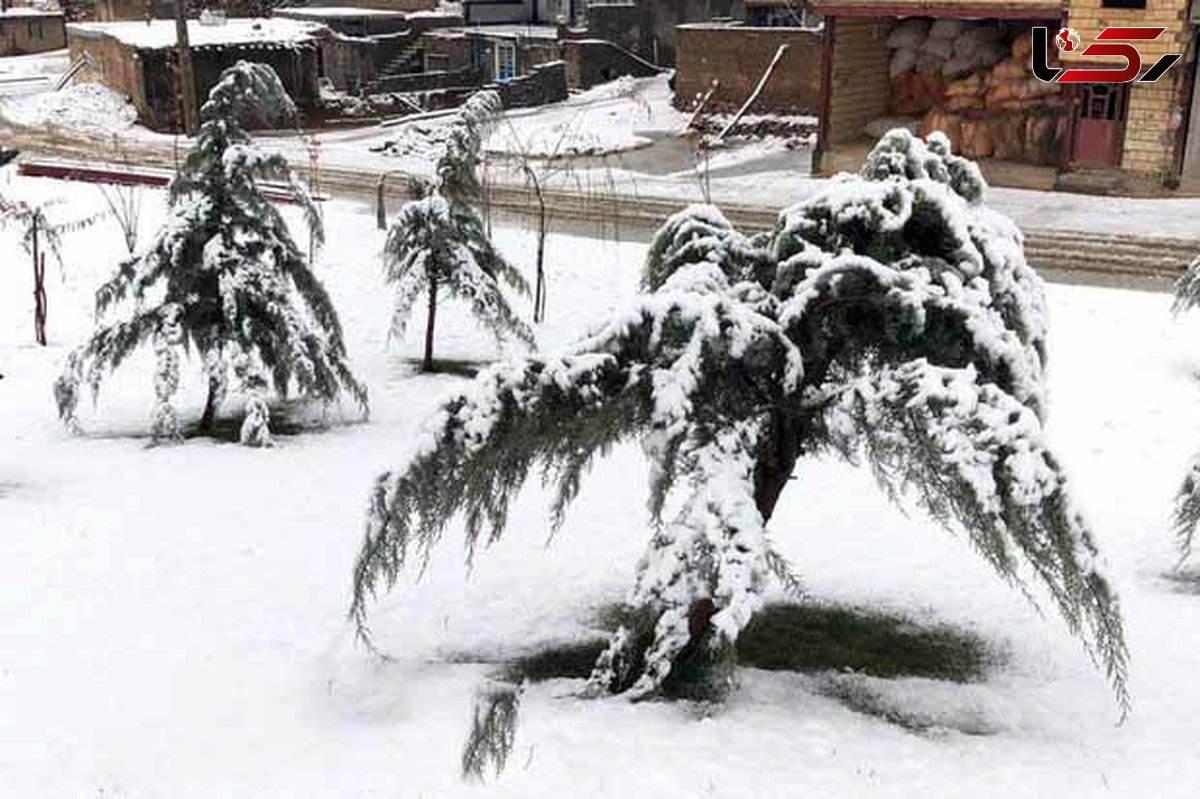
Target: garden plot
[174,617]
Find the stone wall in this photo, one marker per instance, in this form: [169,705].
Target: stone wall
[545,83]
[737,58]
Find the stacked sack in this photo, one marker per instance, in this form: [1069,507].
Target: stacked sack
[1003,111]
[925,55]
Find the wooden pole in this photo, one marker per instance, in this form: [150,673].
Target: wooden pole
[187,76]
[762,83]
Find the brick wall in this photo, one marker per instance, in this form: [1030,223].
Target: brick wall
[916,7]
[859,84]
[1150,129]
[1154,108]
[737,57]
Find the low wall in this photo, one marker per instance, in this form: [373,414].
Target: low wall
[738,56]
[427,81]
[546,83]
[593,61]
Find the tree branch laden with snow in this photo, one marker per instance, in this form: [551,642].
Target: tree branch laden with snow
[891,319]
[225,269]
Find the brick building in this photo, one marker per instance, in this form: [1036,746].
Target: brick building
[1135,134]
[30,30]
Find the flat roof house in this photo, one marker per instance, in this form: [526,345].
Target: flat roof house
[138,59]
[25,30]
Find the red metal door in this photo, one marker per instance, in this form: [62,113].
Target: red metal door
[1100,124]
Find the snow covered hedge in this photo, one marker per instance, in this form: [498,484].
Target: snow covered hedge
[891,320]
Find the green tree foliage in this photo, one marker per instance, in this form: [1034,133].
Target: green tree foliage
[890,320]
[223,277]
[438,244]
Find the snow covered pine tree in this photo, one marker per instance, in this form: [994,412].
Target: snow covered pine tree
[438,242]
[890,319]
[1187,501]
[225,271]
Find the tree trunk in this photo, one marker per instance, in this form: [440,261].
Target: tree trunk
[777,458]
[208,421]
[39,287]
[539,302]
[187,77]
[778,453]
[427,365]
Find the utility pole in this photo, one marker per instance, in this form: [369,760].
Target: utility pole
[187,78]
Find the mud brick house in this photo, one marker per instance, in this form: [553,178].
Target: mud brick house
[127,10]
[648,28]
[913,59]
[137,59]
[30,30]
[536,12]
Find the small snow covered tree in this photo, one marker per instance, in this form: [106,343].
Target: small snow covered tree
[891,319]
[438,243]
[223,277]
[39,232]
[1187,501]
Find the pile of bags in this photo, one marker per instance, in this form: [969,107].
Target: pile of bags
[972,81]
[944,48]
[1009,84]
[1003,111]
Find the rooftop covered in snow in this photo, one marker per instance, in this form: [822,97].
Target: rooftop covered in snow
[25,11]
[160,33]
[336,12]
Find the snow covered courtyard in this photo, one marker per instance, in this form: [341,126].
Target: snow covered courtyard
[173,619]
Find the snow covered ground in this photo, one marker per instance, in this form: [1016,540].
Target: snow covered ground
[172,620]
[610,118]
[81,108]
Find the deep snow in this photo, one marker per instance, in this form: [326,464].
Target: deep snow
[172,620]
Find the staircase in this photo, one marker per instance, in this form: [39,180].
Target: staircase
[406,62]
[1109,260]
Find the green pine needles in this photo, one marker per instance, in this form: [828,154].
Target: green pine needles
[438,246]
[1187,500]
[223,278]
[891,320]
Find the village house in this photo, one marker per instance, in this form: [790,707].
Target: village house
[25,30]
[965,68]
[138,59]
[126,10]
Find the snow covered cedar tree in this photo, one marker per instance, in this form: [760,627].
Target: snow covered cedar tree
[438,242]
[1187,501]
[224,277]
[890,320]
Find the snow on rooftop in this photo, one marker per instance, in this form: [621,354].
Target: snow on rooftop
[30,12]
[515,31]
[336,12]
[161,32]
